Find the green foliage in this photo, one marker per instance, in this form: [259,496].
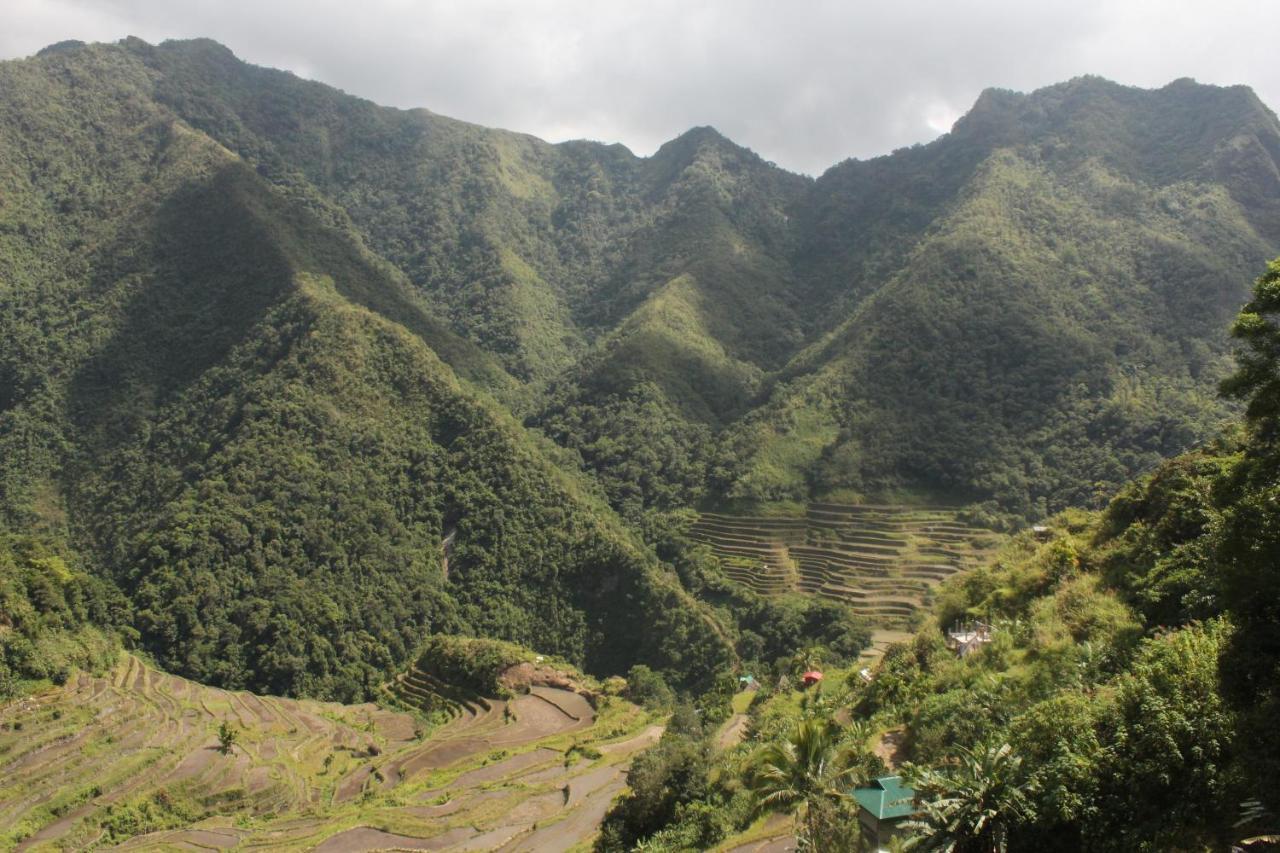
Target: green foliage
[775,629]
[1159,534]
[471,663]
[645,455]
[972,806]
[648,688]
[1171,731]
[1248,542]
[227,737]
[664,782]
[1060,740]
[161,810]
[53,618]
[811,772]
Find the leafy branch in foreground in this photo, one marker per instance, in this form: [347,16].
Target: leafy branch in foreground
[971,806]
[810,772]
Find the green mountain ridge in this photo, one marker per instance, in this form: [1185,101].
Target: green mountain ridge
[559,259]
[266,346]
[1064,295]
[235,412]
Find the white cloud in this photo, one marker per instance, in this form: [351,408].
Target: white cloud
[804,84]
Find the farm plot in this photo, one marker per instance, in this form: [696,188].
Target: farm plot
[134,759]
[881,560]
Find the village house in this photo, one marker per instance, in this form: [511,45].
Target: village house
[965,638]
[883,808]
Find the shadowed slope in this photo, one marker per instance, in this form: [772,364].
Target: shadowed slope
[243,414]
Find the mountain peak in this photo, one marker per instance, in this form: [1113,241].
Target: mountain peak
[61,47]
[703,134]
[688,144]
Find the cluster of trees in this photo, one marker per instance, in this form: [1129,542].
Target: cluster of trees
[54,618]
[643,454]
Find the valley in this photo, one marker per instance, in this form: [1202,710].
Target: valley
[318,417]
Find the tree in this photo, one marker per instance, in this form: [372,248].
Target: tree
[1248,552]
[806,659]
[811,772]
[971,806]
[227,737]
[648,688]
[663,780]
[1166,779]
[1257,381]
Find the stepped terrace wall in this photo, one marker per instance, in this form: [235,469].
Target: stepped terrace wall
[880,560]
[132,759]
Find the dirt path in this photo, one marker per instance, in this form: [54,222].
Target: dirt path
[644,740]
[366,838]
[777,837]
[889,747]
[782,844]
[733,731]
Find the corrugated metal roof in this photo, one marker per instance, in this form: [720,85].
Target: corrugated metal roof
[887,798]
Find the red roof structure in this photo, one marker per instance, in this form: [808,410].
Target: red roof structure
[811,677]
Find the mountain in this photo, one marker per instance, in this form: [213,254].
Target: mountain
[306,378]
[255,427]
[1031,308]
[1090,241]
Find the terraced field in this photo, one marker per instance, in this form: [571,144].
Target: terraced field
[881,560]
[132,759]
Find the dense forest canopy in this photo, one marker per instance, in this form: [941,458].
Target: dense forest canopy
[306,379]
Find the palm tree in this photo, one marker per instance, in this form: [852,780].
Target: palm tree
[808,772]
[806,659]
[970,806]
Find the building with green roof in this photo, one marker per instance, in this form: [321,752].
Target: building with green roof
[882,809]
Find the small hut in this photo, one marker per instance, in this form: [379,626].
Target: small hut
[883,807]
[965,638]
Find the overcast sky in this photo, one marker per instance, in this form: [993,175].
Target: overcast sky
[805,83]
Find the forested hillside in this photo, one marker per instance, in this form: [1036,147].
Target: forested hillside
[1027,311]
[1106,682]
[305,378]
[233,411]
[1032,307]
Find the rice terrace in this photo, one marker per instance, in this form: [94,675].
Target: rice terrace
[91,762]
[881,560]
